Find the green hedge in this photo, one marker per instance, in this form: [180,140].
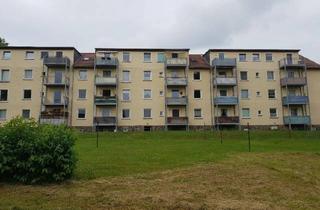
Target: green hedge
[33,153]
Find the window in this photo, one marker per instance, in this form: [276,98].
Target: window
[82,94]
[161,57]
[6,55]
[223,92]
[259,113]
[270,75]
[273,112]
[147,75]
[197,113]
[126,95]
[196,75]
[59,54]
[255,57]
[106,73]
[245,113]
[81,113]
[146,113]
[161,93]
[126,57]
[3,114]
[26,113]
[197,94]
[245,94]
[222,74]
[271,94]
[3,95]
[161,113]
[27,74]
[294,112]
[44,54]
[243,75]
[4,77]
[27,94]
[125,113]
[83,75]
[147,57]
[174,55]
[268,56]
[175,93]
[126,76]
[147,94]
[106,93]
[257,74]
[29,55]
[106,112]
[174,74]
[290,74]
[242,57]
[224,112]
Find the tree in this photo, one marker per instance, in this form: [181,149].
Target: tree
[3,42]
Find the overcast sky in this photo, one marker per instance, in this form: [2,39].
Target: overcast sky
[194,24]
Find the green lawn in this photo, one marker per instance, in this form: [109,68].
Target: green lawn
[183,170]
[121,154]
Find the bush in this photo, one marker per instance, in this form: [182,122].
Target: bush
[33,153]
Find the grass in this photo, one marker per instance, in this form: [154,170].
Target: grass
[183,170]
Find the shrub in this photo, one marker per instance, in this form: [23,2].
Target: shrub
[33,153]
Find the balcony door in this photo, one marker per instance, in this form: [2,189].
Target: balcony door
[294,112]
[58,76]
[175,113]
[224,113]
[289,58]
[57,97]
[222,74]
[106,73]
[106,93]
[106,112]
[175,94]
[223,92]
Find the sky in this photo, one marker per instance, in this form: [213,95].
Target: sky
[195,24]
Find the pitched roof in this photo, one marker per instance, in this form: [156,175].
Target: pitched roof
[310,63]
[196,61]
[85,61]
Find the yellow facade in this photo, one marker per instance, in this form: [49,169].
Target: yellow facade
[157,89]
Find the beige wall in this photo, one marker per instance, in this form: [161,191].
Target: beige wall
[314,95]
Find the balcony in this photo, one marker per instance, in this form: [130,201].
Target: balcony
[226,100]
[176,63]
[292,63]
[296,120]
[106,81]
[225,81]
[177,120]
[298,81]
[54,118]
[106,62]
[175,101]
[55,102]
[56,81]
[224,63]
[294,100]
[176,81]
[227,120]
[56,62]
[105,121]
[105,101]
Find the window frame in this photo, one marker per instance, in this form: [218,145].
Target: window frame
[123,112]
[29,113]
[245,57]
[4,55]
[126,91]
[5,114]
[267,60]
[86,74]
[144,94]
[150,75]
[254,58]
[126,57]
[194,113]
[24,75]
[273,78]
[25,91]
[1,95]
[123,76]
[194,94]
[247,78]
[163,57]
[276,113]
[2,73]
[242,113]
[144,57]
[28,52]
[194,73]
[147,109]
[84,114]
[83,91]
[241,91]
[274,91]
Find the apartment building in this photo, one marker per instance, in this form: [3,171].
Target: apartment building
[160,89]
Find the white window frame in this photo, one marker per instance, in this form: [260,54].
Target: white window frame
[24,74]
[29,113]
[253,57]
[86,74]
[144,117]
[147,79]
[275,94]
[242,113]
[85,91]
[271,57]
[129,94]
[5,114]
[129,56]
[129,76]
[4,55]
[247,94]
[28,52]
[273,78]
[245,57]
[199,76]
[129,114]
[194,113]
[194,91]
[275,113]
[85,114]
[23,94]
[2,77]
[147,61]
[144,90]
[246,74]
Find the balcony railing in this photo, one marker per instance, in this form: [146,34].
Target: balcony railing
[225,81]
[177,120]
[55,102]
[105,121]
[101,100]
[294,100]
[56,61]
[55,81]
[54,121]
[298,81]
[176,81]
[226,100]
[176,62]
[296,120]
[107,62]
[226,62]
[176,101]
[292,63]
[227,120]
[101,81]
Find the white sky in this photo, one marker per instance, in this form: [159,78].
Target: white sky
[195,24]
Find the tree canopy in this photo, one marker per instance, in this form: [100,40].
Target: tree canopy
[3,42]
